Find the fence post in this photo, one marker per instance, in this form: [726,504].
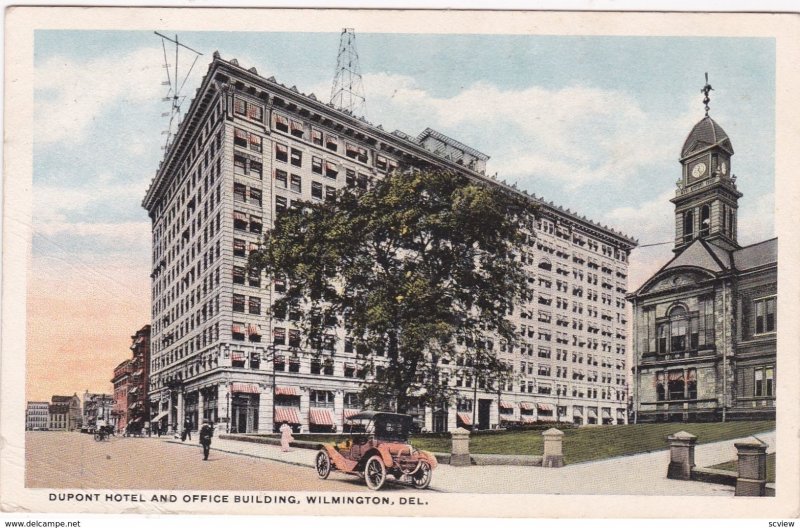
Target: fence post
[752,467]
[459,450]
[681,455]
[553,448]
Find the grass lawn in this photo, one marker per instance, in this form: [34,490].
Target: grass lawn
[731,466]
[595,443]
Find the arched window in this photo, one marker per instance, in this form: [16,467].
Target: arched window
[730,222]
[705,220]
[545,264]
[688,226]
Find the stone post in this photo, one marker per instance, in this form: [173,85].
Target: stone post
[681,455]
[459,451]
[553,448]
[752,479]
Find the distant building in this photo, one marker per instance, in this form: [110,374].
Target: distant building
[96,410]
[121,382]
[72,404]
[37,416]
[58,414]
[705,324]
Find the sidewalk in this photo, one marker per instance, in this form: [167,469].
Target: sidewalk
[643,474]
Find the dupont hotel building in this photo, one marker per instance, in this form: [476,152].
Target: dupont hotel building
[249,148]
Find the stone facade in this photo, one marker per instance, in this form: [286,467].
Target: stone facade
[37,416]
[248,148]
[705,323]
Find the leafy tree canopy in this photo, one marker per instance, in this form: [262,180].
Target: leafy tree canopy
[417,272]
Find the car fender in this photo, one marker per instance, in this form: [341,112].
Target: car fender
[386,455]
[428,457]
[339,462]
[381,452]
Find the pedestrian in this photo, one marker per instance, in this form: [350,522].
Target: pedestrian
[286,436]
[187,430]
[206,432]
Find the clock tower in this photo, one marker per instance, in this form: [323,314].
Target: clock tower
[706,201]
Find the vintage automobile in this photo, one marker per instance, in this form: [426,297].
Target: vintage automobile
[377,445]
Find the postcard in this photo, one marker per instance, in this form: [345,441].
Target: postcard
[400,263]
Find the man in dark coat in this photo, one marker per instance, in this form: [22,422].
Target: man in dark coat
[206,432]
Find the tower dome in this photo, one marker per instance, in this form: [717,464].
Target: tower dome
[706,134]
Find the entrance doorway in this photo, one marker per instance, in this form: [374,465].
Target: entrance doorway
[439,422]
[484,407]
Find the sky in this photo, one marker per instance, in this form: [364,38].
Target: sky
[594,124]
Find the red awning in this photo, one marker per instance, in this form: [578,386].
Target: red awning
[528,419]
[466,418]
[237,356]
[506,405]
[526,406]
[544,406]
[331,166]
[297,125]
[287,414]
[253,246]
[248,388]
[239,216]
[239,133]
[281,120]
[287,391]
[318,416]
[237,329]
[253,330]
[350,412]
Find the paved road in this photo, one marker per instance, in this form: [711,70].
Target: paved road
[75,460]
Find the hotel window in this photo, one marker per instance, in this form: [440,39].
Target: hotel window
[316,137]
[675,384]
[238,275]
[239,192]
[294,338]
[239,165]
[255,112]
[238,247]
[296,183]
[239,220]
[240,137]
[691,383]
[765,315]
[279,336]
[255,306]
[255,142]
[297,158]
[351,151]
[256,169]
[297,129]
[239,106]
[316,165]
[381,163]
[281,152]
[659,382]
[238,303]
[316,190]
[764,381]
[255,196]
[331,170]
[332,142]
[280,285]
[280,204]
[319,398]
[255,224]
[281,178]
[330,193]
[281,123]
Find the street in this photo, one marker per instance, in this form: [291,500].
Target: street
[75,460]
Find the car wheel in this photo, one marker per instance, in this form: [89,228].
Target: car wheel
[323,464]
[98,437]
[375,472]
[422,478]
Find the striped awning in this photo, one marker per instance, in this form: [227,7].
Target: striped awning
[526,406]
[620,414]
[331,166]
[544,407]
[237,329]
[287,391]
[506,405]
[160,415]
[253,330]
[248,388]
[237,356]
[139,372]
[577,411]
[134,390]
[606,413]
[592,412]
[528,419]
[240,216]
[287,414]
[281,119]
[351,412]
[320,416]
[466,418]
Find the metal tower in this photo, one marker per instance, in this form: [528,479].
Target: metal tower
[174,96]
[347,93]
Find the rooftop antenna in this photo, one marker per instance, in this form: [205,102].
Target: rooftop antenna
[347,93]
[174,95]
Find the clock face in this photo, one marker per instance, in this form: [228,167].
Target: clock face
[698,170]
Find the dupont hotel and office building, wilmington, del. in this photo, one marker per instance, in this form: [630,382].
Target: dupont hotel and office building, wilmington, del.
[250,147]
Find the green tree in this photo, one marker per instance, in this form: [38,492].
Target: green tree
[419,271]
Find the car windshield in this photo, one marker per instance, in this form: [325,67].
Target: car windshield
[392,427]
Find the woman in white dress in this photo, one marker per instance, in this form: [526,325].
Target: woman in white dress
[286,436]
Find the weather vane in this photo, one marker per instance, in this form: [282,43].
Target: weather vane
[707,88]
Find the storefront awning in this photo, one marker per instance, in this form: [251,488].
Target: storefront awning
[287,414]
[320,416]
[351,412]
[506,405]
[606,413]
[466,418]
[248,388]
[160,415]
[134,390]
[577,411]
[620,414]
[592,411]
[526,406]
[544,407]
[287,391]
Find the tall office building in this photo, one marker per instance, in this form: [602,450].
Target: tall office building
[250,147]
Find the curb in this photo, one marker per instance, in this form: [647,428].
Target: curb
[251,455]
